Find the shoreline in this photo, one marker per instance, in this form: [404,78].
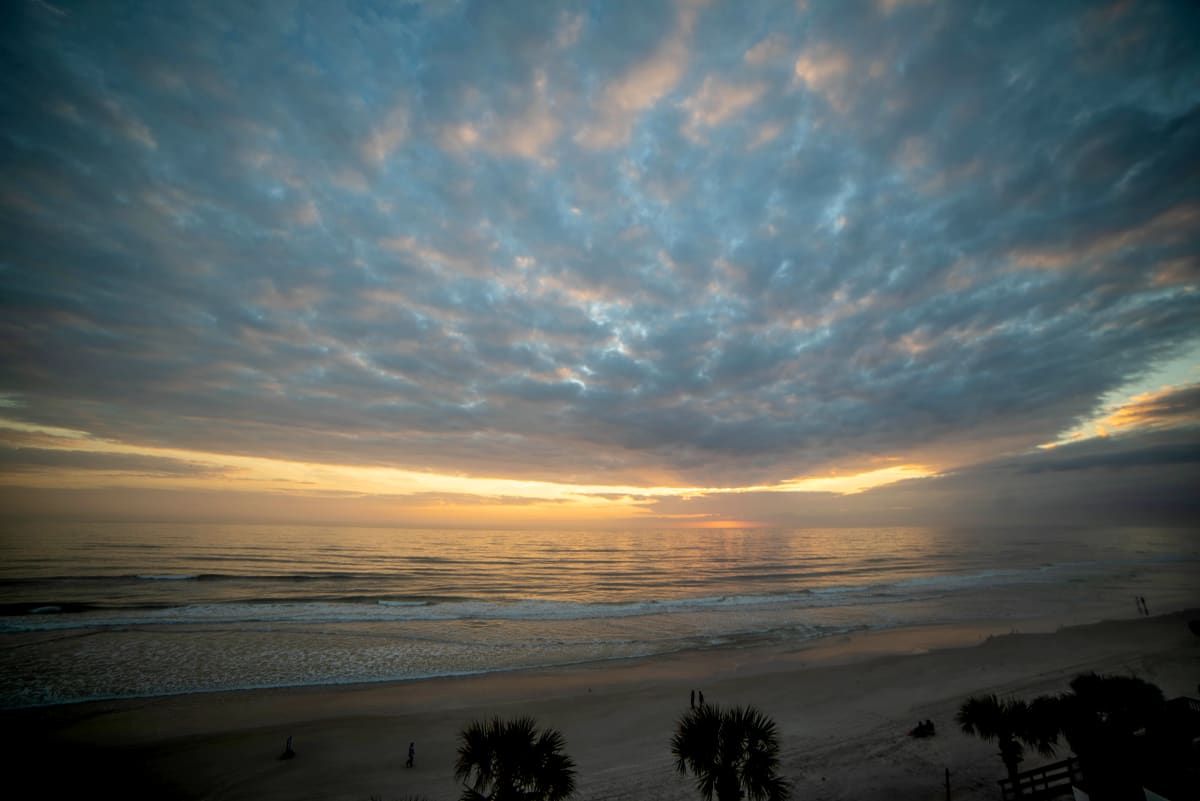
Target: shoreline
[842,705]
[854,643]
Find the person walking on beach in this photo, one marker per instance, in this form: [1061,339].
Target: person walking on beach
[1145,609]
[412,752]
[692,700]
[702,698]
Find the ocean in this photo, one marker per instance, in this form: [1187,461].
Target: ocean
[91,611]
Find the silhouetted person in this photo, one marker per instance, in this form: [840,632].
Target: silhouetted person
[288,753]
[1145,608]
[692,700]
[702,698]
[412,753]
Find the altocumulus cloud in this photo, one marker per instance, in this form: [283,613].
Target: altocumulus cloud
[703,244]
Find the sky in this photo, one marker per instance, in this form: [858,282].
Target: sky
[636,264]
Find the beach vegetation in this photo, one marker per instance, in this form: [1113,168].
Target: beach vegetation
[1106,720]
[1107,710]
[733,754]
[512,760]
[1102,718]
[1013,724]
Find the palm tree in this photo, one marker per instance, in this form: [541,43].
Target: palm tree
[732,753]
[1110,708]
[512,761]
[1014,724]
[1100,718]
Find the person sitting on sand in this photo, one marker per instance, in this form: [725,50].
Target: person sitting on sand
[923,729]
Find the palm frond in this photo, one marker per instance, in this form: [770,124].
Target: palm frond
[731,752]
[511,760]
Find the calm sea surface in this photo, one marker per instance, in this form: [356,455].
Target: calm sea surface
[109,610]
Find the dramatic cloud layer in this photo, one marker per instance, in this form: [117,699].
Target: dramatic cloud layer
[679,254]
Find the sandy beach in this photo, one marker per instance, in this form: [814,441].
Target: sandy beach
[842,705]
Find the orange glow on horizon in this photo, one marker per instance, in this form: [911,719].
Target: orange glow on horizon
[724,524]
[423,497]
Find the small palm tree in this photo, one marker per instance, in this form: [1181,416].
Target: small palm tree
[1013,724]
[732,753]
[513,761]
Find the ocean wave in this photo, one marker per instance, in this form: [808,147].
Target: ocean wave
[167,576]
[383,611]
[367,608]
[353,600]
[98,578]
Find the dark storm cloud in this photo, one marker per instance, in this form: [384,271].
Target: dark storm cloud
[731,243]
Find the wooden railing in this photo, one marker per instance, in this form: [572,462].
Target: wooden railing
[1183,702]
[1049,781]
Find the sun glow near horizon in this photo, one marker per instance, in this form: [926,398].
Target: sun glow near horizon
[432,495]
